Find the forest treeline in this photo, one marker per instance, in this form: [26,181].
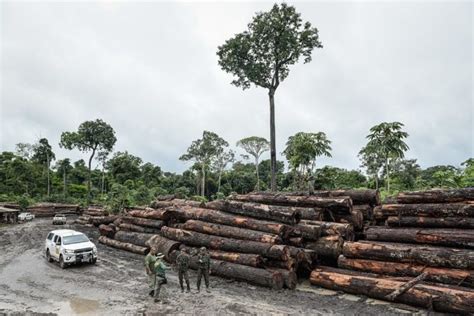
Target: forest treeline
[120,179]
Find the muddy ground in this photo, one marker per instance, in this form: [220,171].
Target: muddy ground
[117,285]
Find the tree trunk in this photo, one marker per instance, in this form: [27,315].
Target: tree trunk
[287,215]
[135,238]
[203,180]
[433,222]
[440,298]
[271,95]
[436,196]
[424,210]
[64,183]
[329,246]
[449,237]
[377,182]
[138,229]
[309,232]
[89,180]
[164,245]
[219,217]
[346,231]
[219,181]
[123,245]
[152,223]
[96,221]
[431,256]
[290,279]
[247,259]
[388,175]
[436,275]
[47,170]
[230,232]
[258,176]
[102,187]
[160,214]
[341,204]
[107,230]
[226,244]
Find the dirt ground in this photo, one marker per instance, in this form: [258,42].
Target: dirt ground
[117,285]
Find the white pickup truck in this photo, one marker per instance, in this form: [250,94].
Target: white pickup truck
[26,216]
[69,247]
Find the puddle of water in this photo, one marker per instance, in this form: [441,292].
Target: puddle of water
[78,306]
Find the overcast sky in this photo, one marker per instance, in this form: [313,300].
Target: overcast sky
[150,70]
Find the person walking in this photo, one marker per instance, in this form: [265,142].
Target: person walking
[204,265]
[182,260]
[156,271]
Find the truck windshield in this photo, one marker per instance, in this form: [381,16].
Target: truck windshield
[75,239]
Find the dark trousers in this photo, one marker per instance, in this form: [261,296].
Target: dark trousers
[201,272]
[183,274]
[158,282]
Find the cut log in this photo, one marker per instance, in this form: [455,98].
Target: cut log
[329,246]
[164,245]
[366,210]
[441,298]
[425,210]
[191,238]
[346,231]
[358,197]
[312,213]
[290,279]
[282,214]
[434,222]
[296,242]
[230,231]
[176,202]
[138,239]
[139,229]
[96,221]
[107,231]
[219,217]
[431,256]
[451,237]
[290,265]
[437,275]
[341,204]
[153,223]
[123,245]
[161,214]
[436,196]
[355,218]
[246,259]
[309,232]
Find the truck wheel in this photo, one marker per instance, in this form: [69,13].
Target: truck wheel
[62,264]
[48,256]
[93,261]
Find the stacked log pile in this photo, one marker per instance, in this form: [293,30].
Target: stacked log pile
[48,209]
[423,255]
[95,216]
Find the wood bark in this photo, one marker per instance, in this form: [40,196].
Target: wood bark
[359,197]
[219,217]
[345,230]
[175,202]
[437,275]
[160,214]
[405,287]
[230,231]
[451,237]
[427,255]
[355,218]
[104,220]
[123,245]
[139,229]
[312,213]
[440,298]
[152,223]
[296,242]
[135,238]
[424,210]
[309,232]
[430,222]
[436,196]
[341,204]
[329,246]
[290,279]
[107,231]
[163,245]
[246,259]
[366,210]
[282,214]
[191,238]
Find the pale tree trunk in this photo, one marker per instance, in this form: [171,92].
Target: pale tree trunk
[64,182]
[271,95]
[203,180]
[219,181]
[376,181]
[388,175]
[258,176]
[47,170]
[103,181]
[89,181]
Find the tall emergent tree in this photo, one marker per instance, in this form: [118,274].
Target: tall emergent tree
[263,53]
[91,136]
[43,154]
[64,167]
[386,143]
[203,151]
[301,151]
[221,160]
[255,146]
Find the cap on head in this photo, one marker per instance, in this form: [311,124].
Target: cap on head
[160,255]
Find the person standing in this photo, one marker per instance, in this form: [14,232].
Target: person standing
[156,270]
[182,260]
[204,265]
[150,261]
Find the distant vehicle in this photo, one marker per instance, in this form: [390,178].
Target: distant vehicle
[59,219]
[68,247]
[25,216]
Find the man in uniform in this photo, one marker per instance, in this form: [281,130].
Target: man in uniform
[182,260]
[156,271]
[204,265]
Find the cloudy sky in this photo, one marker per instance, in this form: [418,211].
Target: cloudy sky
[150,70]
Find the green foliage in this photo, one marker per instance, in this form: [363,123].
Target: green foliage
[124,166]
[329,178]
[182,192]
[24,201]
[467,177]
[199,198]
[142,195]
[255,146]
[118,198]
[263,53]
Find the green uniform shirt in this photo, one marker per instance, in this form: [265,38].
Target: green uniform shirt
[150,262]
[183,261]
[160,268]
[204,261]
